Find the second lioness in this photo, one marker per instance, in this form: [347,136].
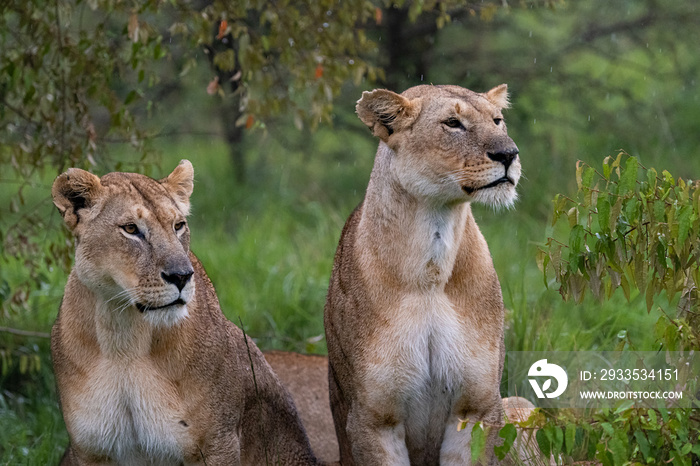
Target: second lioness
[414,314]
[148,369]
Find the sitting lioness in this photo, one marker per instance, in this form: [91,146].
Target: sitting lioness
[414,314]
[148,369]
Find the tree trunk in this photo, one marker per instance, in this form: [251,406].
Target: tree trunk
[230,112]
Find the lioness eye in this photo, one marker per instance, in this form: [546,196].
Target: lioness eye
[453,123]
[131,229]
[179,226]
[498,120]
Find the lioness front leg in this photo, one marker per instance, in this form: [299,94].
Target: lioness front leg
[376,438]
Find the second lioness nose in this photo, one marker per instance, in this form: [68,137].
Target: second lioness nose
[505,156]
[179,279]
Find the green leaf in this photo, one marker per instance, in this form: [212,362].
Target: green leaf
[478,442]
[619,451]
[659,211]
[686,449]
[557,439]
[508,433]
[643,443]
[132,96]
[640,271]
[608,428]
[651,178]
[607,169]
[570,438]
[615,212]
[651,291]
[629,403]
[684,223]
[576,239]
[543,443]
[587,177]
[628,178]
[625,287]
[572,215]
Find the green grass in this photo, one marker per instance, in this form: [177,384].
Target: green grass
[268,247]
[32,430]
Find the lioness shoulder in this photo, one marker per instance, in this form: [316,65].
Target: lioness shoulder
[148,369]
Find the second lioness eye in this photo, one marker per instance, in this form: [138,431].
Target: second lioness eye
[131,229]
[179,226]
[452,123]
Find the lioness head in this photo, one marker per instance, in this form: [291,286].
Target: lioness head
[450,144]
[132,239]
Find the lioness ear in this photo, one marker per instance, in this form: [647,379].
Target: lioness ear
[499,96]
[181,183]
[72,191]
[385,112]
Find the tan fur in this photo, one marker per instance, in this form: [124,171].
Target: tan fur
[148,369]
[414,314]
[306,378]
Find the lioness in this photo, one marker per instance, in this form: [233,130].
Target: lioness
[414,313]
[149,371]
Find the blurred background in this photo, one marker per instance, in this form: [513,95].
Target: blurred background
[260,96]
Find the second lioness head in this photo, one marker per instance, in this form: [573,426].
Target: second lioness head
[133,239]
[450,144]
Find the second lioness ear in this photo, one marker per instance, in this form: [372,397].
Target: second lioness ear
[180,183]
[73,191]
[499,96]
[385,112]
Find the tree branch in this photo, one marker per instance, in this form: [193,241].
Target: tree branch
[24,333]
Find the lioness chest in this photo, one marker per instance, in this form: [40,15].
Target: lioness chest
[428,358]
[127,411]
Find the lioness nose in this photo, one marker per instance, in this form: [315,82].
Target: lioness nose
[179,279]
[504,156]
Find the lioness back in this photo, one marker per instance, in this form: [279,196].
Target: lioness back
[306,378]
[148,369]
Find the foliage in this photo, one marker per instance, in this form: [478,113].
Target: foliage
[638,233]
[611,437]
[61,98]
[628,227]
[290,58]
